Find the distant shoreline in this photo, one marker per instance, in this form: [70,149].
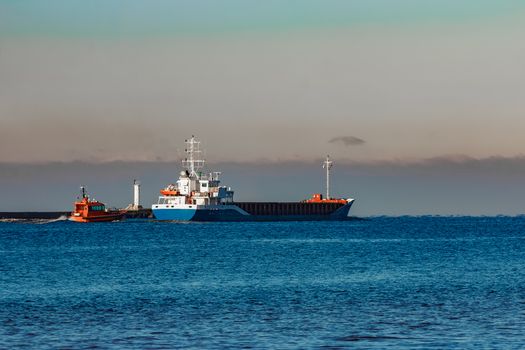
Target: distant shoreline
[28,215]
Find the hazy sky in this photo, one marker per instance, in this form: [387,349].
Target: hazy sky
[388,81]
[129,80]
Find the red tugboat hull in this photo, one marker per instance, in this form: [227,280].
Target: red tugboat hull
[100,218]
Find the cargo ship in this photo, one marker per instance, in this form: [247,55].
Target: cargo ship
[200,197]
[91,210]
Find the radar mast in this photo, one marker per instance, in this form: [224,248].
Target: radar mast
[327,164]
[192,163]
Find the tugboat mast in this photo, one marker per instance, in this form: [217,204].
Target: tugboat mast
[327,164]
[83,191]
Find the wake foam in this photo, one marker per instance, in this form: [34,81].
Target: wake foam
[35,221]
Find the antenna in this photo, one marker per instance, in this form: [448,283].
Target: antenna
[83,191]
[190,162]
[327,164]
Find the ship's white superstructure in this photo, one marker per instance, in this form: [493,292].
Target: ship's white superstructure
[194,190]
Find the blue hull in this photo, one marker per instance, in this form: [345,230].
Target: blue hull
[234,215]
[174,214]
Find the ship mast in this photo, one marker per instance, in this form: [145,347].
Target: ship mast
[83,192]
[191,163]
[327,164]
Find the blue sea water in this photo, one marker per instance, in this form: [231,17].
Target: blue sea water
[380,283]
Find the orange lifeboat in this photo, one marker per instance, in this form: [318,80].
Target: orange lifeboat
[87,210]
[171,190]
[318,198]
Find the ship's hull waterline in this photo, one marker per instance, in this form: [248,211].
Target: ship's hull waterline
[251,211]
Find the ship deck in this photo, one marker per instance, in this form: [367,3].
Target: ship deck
[288,208]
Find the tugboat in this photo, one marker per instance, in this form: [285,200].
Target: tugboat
[200,197]
[90,210]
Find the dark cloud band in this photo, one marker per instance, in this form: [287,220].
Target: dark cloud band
[347,140]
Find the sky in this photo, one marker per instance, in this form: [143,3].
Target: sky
[269,85]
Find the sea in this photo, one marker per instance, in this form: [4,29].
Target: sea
[372,283]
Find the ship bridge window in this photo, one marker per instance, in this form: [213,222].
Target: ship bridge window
[204,184]
[97,207]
